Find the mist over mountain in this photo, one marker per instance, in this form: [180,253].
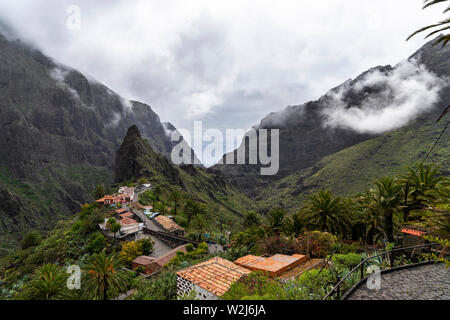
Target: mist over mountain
[380,100]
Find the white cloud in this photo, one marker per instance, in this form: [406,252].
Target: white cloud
[229,63]
[390,99]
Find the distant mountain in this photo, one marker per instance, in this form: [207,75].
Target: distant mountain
[135,159]
[321,143]
[61,130]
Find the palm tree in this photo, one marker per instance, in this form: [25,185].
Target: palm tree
[387,199]
[193,208]
[438,27]
[327,213]
[103,280]
[175,197]
[275,220]
[251,219]
[295,224]
[200,225]
[49,283]
[370,217]
[419,184]
[113,226]
[157,192]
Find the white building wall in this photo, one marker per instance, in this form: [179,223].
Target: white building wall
[185,286]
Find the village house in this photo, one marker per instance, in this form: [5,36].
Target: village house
[126,215]
[168,225]
[128,227]
[273,266]
[111,200]
[210,279]
[152,264]
[123,213]
[127,192]
[412,236]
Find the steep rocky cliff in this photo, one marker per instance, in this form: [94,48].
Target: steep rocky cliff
[136,159]
[61,130]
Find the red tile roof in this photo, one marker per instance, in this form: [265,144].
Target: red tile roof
[122,210]
[413,232]
[144,260]
[215,275]
[127,221]
[168,223]
[126,214]
[273,266]
[165,259]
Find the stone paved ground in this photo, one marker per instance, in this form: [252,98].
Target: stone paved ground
[427,282]
[159,248]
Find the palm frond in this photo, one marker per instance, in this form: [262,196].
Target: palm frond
[443,114]
[437,31]
[444,39]
[432,2]
[427,27]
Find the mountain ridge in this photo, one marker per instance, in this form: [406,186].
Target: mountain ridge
[61,133]
[304,139]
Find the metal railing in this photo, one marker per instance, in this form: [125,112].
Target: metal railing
[360,267]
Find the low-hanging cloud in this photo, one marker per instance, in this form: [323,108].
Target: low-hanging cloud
[390,99]
[227,63]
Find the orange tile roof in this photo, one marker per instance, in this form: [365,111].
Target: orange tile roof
[273,266]
[144,260]
[127,221]
[215,275]
[126,214]
[413,232]
[122,210]
[168,223]
[165,259]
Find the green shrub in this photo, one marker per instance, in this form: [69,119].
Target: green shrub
[162,287]
[189,247]
[97,243]
[319,243]
[203,247]
[350,260]
[344,248]
[146,245]
[31,239]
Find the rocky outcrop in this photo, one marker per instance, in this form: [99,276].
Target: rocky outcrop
[136,159]
[60,134]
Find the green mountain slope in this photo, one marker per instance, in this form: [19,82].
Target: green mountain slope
[354,169]
[135,159]
[61,130]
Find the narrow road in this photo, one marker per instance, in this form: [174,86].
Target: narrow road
[160,248]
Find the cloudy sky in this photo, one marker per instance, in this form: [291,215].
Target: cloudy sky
[228,63]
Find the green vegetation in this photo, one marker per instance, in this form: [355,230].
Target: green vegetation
[352,170]
[374,217]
